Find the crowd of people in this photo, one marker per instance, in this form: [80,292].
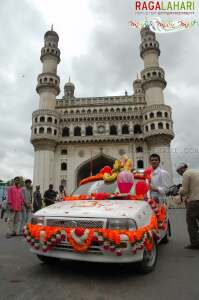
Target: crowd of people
[21,202]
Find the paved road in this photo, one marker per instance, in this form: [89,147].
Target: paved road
[23,277]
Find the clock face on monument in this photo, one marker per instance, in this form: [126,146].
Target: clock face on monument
[101,129]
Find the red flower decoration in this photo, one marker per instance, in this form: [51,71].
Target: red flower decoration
[106,169]
[102,196]
[79,231]
[141,188]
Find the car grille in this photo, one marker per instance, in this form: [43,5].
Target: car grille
[76,223]
[94,248]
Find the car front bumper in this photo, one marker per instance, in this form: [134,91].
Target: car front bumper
[63,251]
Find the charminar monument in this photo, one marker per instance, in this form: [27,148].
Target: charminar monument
[74,137]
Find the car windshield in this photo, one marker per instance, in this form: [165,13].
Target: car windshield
[98,187]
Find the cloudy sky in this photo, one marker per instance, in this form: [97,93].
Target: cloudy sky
[100,51]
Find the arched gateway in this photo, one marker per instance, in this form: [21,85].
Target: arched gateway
[93,166]
[66,130]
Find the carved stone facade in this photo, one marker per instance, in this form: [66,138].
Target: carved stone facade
[73,136]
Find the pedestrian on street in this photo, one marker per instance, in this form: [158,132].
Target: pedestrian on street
[4,208]
[37,199]
[190,189]
[160,179]
[61,194]
[50,196]
[27,206]
[15,206]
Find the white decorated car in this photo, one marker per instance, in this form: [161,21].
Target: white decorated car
[98,224]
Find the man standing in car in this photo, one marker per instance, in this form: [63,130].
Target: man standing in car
[190,189]
[50,196]
[160,179]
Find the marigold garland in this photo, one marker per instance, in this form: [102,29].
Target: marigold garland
[103,196]
[45,237]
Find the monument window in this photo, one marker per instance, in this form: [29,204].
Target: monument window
[64,152]
[152,126]
[139,149]
[166,114]
[36,120]
[113,130]
[56,121]
[77,131]
[152,115]
[159,114]
[125,129]
[35,131]
[55,132]
[49,120]
[160,125]
[65,132]
[167,126]
[63,166]
[147,128]
[146,117]
[41,130]
[49,130]
[123,109]
[89,130]
[140,164]
[42,119]
[137,129]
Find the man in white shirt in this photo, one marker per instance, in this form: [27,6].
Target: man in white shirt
[160,179]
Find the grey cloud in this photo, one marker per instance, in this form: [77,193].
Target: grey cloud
[21,39]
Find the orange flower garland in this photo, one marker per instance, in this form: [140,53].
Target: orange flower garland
[96,177]
[52,235]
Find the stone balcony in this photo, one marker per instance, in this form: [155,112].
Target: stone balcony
[159,132]
[100,139]
[124,100]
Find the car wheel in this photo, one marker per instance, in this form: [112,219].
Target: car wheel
[48,259]
[167,236]
[148,263]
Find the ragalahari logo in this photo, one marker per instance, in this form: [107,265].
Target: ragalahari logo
[165,6]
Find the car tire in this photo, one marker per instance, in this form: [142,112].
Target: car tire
[167,236]
[48,259]
[148,263]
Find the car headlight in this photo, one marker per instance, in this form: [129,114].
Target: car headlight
[121,224]
[37,220]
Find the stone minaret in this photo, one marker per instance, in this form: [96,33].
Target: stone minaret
[45,120]
[158,125]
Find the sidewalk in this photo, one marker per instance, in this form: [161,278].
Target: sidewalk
[3,227]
